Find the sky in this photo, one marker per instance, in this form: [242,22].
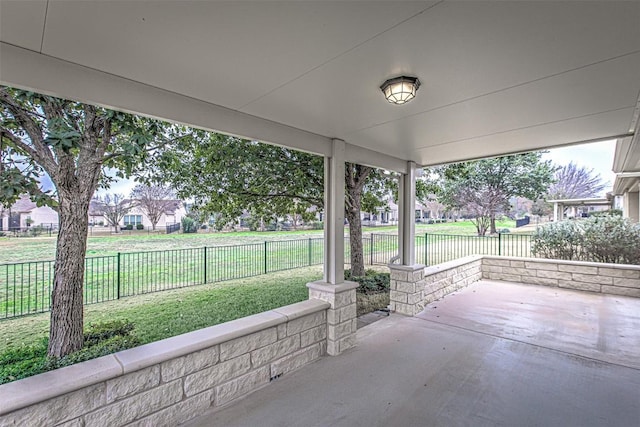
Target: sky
[597,156]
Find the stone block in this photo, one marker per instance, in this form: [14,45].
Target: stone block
[619,272]
[274,351]
[617,290]
[627,283]
[519,271]
[179,413]
[136,407]
[242,345]
[208,378]
[560,275]
[581,286]
[49,412]
[312,336]
[296,360]
[340,331]
[592,278]
[498,262]
[347,342]
[398,296]
[416,275]
[406,287]
[505,277]
[406,309]
[400,275]
[415,298]
[582,269]
[348,312]
[306,322]
[541,265]
[516,264]
[240,386]
[133,383]
[345,298]
[281,331]
[545,281]
[190,363]
[393,284]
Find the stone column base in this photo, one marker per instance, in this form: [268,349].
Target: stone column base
[341,317]
[407,288]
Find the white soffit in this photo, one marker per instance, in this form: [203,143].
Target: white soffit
[498,77]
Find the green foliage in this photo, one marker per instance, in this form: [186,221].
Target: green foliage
[483,188]
[189,225]
[611,212]
[610,239]
[372,282]
[128,227]
[139,227]
[100,339]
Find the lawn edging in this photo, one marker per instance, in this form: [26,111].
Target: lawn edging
[413,287]
[175,379]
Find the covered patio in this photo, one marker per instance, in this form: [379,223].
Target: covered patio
[492,354]
[496,78]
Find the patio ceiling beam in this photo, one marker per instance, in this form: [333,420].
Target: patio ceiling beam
[30,70]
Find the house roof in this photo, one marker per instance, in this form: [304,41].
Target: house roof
[497,77]
[23,205]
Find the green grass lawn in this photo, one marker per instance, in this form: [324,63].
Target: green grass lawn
[43,248]
[165,314]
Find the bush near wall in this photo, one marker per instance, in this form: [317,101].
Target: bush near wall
[609,239]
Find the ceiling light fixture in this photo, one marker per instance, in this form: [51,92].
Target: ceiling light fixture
[400,90]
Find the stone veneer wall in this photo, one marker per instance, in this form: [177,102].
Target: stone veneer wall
[412,287]
[168,382]
[613,279]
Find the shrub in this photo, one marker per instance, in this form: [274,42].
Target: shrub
[128,227]
[189,225]
[139,227]
[36,231]
[101,339]
[609,239]
[371,283]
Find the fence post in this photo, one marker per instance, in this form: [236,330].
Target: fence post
[426,247]
[205,265]
[265,257]
[371,249]
[118,277]
[309,251]
[499,244]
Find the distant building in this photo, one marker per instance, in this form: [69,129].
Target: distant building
[25,213]
[173,213]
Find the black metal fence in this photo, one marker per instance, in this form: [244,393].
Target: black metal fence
[25,288]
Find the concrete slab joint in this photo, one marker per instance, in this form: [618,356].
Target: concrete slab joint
[341,315]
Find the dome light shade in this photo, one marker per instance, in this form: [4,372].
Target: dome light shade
[400,90]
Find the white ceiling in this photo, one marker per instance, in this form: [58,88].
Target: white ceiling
[497,77]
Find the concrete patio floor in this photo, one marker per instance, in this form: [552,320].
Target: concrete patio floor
[492,354]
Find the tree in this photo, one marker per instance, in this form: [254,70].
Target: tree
[484,187]
[71,143]
[114,207]
[226,175]
[575,182]
[154,200]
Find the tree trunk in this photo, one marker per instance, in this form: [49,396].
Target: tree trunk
[493,224]
[66,328]
[355,234]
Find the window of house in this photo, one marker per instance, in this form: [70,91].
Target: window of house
[132,219]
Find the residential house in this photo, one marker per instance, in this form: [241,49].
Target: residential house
[174,211]
[25,213]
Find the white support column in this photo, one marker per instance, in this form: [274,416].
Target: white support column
[407,223]
[334,214]
[558,211]
[341,316]
[407,279]
[631,205]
